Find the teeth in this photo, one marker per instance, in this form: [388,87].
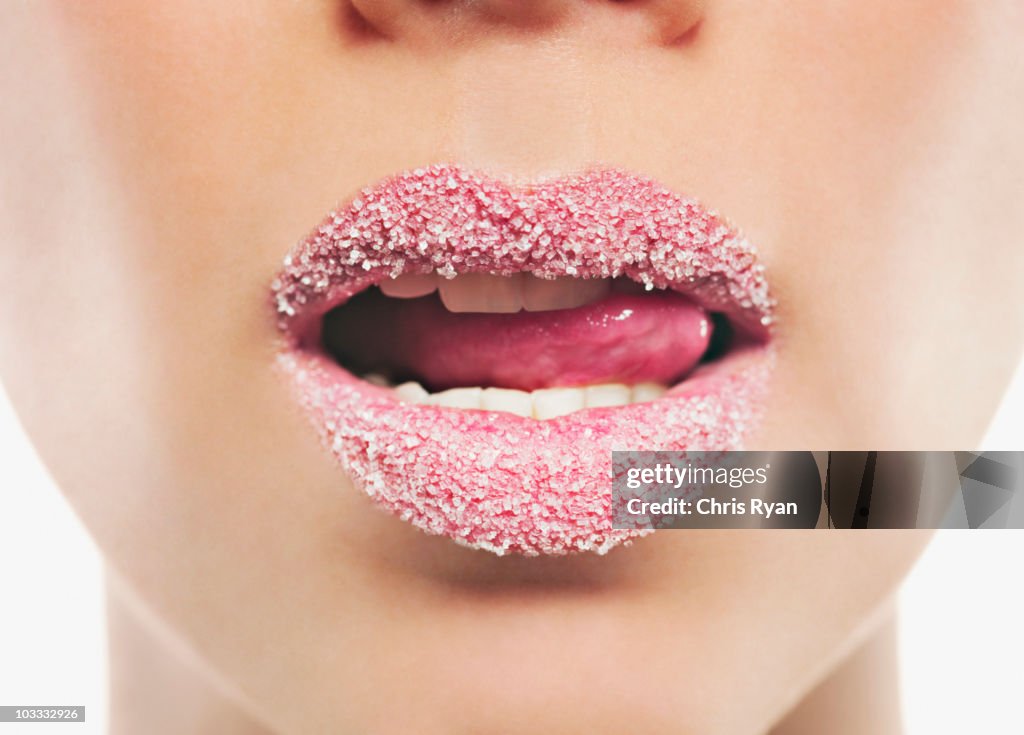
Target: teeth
[484,293]
[647,392]
[409,285]
[612,394]
[551,402]
[378,380]
[545,403]
[412,392]
[511,401]
[458,398]
[481,292]
[562,293]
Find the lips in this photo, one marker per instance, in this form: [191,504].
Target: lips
[528,331]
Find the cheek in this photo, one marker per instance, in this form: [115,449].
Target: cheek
[886,168]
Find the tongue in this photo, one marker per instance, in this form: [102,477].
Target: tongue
[625,338]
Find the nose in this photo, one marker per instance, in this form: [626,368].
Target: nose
[660,20]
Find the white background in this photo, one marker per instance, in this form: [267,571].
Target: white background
[962,618]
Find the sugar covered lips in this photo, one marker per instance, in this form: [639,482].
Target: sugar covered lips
[471,352]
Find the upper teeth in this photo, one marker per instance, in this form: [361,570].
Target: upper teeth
[545,403]
[483,292]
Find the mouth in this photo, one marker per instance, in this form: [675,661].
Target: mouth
[471,352]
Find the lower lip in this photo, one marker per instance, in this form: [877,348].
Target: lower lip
[507,484]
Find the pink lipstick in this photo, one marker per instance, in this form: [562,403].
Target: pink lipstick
[510,337]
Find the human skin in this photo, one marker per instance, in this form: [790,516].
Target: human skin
[159,160]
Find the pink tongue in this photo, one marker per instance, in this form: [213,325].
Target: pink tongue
[625,338]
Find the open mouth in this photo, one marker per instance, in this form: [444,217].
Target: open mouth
[528,346]
[472,352]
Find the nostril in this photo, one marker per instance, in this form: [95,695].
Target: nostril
[672,20]
[355,25]
[381,17]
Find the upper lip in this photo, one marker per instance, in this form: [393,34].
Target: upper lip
[603,223]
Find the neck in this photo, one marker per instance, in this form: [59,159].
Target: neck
[158,688]
[860,695]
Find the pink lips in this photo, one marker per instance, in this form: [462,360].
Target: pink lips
[493,480]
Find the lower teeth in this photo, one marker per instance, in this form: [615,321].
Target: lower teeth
[544,403]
